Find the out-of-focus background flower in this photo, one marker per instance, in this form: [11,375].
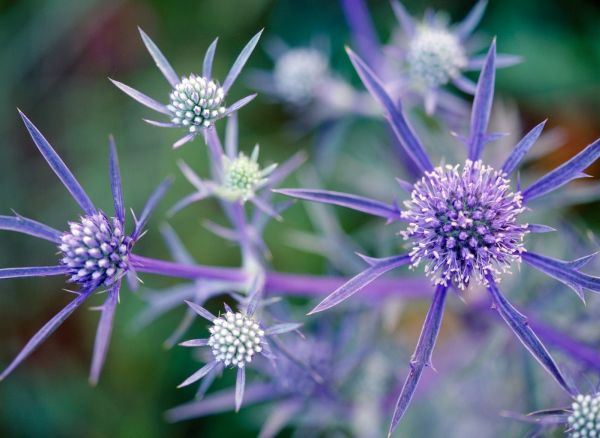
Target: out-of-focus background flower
[55,58]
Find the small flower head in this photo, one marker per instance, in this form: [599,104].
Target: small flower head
[463,224]
[196,102]
[298,72]
[435,56]
[242,176]
[96,250]
[235,338]
[585,419]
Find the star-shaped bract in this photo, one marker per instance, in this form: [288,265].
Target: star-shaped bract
[95,250]
[449,213]
[196,101]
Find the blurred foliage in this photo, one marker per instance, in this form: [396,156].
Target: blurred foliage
[56,57]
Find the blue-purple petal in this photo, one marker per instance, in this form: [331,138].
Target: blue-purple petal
[208,59]
[565,173]
[240,62]
[520,327]
[33,271]
[104,332]
[59,167]
[521,149]
[406,21]
[361,27]
[45,332]
[160,59]
[141,97]
[201,311]
[240,386]
[359,203]
[361,280]
[198,374]
[565,271]
[29,226]
[151,204]
[404,132]
[421,358]
[482,105]
[115,181]
[470,22]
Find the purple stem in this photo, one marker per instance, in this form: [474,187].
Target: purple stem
[284,283]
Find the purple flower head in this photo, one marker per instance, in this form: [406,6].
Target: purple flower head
[463,224]
[463,221]
[96,251]
[195,101]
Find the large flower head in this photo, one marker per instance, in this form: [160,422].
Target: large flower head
[196,101]
[95,251]
[463,224]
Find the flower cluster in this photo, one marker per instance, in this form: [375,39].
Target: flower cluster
[461,219]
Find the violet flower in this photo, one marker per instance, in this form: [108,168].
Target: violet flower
[196,101]
[429,55]
[95,251]
[462,225]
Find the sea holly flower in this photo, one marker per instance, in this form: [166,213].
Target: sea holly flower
[308,388]
[95,251]
[435,54]
[430,54]
[235,339]
[196,102]
[463,223]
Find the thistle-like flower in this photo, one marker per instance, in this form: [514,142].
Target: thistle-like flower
[435,54]
[463,224]
[95,251]
[195,101]
[462,221]
[235,339]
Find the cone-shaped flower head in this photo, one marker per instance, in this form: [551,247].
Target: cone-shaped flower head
[235,338]
[463,223]
[585,419]
[298,72]
[96,250]
[435,56]
[196,102]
